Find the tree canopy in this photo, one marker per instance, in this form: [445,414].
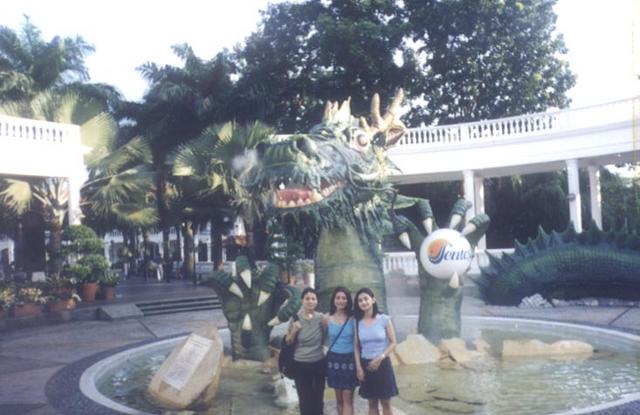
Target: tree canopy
[458,61]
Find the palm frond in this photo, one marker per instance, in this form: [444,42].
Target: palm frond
[17,195]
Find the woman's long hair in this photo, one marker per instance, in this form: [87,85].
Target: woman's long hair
[332,304]
[359,314]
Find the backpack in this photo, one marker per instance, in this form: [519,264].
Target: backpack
[286,363]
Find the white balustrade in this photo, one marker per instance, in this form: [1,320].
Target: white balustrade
[521,126]
[26,129]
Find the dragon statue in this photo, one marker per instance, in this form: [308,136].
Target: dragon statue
[330,186]
[253,301]
[565,265]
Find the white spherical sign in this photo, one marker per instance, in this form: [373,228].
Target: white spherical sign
[444,253]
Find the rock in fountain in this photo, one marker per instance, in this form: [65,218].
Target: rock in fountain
[189,377]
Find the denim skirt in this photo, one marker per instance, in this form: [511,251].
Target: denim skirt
[341,371]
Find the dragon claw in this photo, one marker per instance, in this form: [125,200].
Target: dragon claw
[246,277]
[428,225]
[246,323]
[235,289]
[404,238]
[264,296]
[454,282]
[274,321]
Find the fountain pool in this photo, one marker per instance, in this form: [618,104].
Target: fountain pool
[610,377]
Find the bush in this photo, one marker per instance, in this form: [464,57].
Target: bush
[84,254]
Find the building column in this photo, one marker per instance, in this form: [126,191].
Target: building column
[468,186]
[594,195]
[478,193]
[573,180]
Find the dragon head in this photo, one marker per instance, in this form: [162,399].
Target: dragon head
[335,173]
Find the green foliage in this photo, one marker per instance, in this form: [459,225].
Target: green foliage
[81,240]
[29,64]
[307,53]
[458,60]
[59,288]
[487,59]
[110,279]
[84,254]
[620,200]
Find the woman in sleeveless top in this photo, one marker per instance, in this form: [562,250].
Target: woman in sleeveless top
[341,369]
[375,338]
[309,369]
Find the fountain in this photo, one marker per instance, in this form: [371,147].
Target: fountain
[499,387]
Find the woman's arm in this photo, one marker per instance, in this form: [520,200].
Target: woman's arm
[356,352]
[325,327]
[294,328]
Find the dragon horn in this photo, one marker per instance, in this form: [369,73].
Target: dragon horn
[376,118]
[392,111]
[327,111]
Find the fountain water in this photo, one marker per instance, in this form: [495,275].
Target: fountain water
[569,385]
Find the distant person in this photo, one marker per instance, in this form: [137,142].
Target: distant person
[375,339]
[341,369]
[309,371]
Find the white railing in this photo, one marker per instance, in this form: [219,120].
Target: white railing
[522,126]
[40,131]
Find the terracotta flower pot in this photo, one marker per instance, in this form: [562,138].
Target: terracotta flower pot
[88,291]
[27,310]
[61,305]
[108,292]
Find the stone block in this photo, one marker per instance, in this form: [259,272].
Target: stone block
[456,349]
[415,350]
[190,376]
[537,348]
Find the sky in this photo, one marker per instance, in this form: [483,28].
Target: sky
[129,33]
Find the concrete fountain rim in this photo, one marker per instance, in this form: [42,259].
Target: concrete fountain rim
[95,366]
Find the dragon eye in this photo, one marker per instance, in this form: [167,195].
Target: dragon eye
[361,140]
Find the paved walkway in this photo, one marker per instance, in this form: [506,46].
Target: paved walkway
[29,357]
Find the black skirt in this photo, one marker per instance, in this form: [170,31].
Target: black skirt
[380,384]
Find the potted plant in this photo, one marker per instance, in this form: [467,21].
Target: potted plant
[61,294]
[85,259]
[29,301]
[107,285]
[7,300]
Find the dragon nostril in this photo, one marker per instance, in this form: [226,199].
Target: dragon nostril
[305,145]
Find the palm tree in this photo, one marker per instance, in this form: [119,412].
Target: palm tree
[180,102]
[215,161]
[29,64]
[52,194]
